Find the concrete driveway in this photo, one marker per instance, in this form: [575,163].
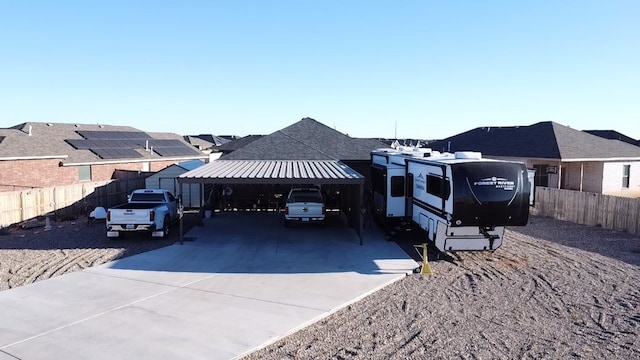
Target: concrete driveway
[236,284]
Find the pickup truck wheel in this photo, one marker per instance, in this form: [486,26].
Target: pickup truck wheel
[165,227]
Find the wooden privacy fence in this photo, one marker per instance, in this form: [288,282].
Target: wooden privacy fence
[609,212]
[64,201]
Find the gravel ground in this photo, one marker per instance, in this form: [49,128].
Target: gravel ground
[30,255]
[554,290]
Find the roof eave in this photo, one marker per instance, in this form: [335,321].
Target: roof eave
[121,161]
[40,157]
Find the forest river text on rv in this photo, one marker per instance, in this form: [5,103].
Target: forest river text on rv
[461,201]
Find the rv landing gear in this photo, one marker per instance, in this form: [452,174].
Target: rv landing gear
[491,238]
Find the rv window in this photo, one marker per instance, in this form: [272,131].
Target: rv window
[397,186]
[438,187]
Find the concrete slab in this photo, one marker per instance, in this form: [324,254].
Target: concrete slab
[237,283]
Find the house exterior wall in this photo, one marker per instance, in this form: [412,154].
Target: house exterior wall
[38,173]
[27,174]
[612,179]
[585,176]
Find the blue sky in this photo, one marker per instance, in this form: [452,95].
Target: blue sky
[422,69]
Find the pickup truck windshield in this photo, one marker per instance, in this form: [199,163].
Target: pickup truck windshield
[150,197]
[305,196]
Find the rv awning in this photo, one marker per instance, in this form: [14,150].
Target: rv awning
[273,172]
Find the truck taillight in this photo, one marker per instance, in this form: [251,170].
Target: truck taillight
[324,210]
[286,210]
[108,215]
[152,215]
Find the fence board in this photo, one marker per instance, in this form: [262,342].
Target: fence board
[68,200]
[610,212]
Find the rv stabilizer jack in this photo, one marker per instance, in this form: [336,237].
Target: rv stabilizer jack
[491,238]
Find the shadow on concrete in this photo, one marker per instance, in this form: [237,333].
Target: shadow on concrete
[260,243]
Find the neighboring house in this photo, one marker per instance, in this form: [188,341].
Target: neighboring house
[309,139]
[166,179]
[206,141]
[237,143]
[614,135]
[563,157]
[36,154]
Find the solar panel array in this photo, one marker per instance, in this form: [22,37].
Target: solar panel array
[115,135]
[125,144]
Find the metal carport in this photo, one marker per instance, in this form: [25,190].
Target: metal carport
[284,172]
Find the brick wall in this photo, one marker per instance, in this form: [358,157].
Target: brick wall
[25,174]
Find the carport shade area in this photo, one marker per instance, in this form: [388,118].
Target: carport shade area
[286,173]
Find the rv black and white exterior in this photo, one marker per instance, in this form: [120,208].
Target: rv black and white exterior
[462,201]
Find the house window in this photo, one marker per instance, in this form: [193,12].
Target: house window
[84,173]
[626,170]
[542,176]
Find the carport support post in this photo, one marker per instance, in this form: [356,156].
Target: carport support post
[182,212]
[181,227]
[359,211]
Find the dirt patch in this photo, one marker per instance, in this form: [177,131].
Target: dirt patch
[30,255]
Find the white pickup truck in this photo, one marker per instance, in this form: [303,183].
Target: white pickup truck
[304,205]
[150,210]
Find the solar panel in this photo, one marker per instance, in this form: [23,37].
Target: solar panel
[175,151]
[114,135]
[123,144]
[116,153]
[80,144]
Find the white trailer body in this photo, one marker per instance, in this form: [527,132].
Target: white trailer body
[461,201]
[389,181]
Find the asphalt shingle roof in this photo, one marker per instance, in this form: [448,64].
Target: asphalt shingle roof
[306,139]
[547,140]
[236,144]
[614,135]
[37,139]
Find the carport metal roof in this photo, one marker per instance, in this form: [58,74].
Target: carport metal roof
[273,172]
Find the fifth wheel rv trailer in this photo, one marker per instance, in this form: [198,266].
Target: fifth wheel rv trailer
[461,201]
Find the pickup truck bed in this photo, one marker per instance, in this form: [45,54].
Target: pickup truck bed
[148,210]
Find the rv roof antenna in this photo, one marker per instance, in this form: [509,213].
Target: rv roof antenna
[449,146]
[395,131]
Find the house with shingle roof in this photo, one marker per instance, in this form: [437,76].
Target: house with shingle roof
[563,157]
[37,154]
[614,135]
[309,139]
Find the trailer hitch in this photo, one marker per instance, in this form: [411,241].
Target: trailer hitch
[492,238]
